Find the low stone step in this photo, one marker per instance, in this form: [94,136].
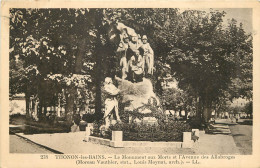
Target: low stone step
[224,133]
[221,126]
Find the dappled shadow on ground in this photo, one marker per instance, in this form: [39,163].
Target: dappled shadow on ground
[248,122]
[242,135]
[238,135]
[232,122]
[18,129]
[28,129]
[19,124]
[220,123]
[218,129]
[216,133]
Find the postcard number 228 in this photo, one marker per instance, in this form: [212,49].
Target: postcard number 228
[43,156]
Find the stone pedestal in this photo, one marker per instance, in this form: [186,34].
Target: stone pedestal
[117,139]
[117,135]
[187,142]
[91,127]
[87,134]
[186,136]
[197,132]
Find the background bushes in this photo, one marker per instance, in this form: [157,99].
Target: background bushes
[167,131]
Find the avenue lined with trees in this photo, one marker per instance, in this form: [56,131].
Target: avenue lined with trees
[60,57]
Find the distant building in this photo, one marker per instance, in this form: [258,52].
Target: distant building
[17,104]
[240,102]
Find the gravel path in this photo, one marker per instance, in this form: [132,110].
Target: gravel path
[242,135]
[73,143]
[20,145]
[216,144]
[220,143]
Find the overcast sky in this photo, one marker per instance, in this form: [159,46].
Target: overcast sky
[242,15]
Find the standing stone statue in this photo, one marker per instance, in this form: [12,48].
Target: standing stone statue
[123,46]
[111,102]
[139,42]
[148,56]
[136,67]
[133,44]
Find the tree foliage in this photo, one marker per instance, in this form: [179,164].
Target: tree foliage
[248,108]
[56,49]
[209,58]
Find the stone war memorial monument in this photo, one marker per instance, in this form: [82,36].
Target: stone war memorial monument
[133,114]
[134,86]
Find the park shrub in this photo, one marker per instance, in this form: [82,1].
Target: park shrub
[165,131]
[29,126]
[89,118]
[83,125]
[99,130]
[17,119]
[41,130]
[195,123]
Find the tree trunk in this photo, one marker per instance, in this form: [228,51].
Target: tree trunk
[36,107]
[27,101]
[99,53]
[206,114]
[71,95]
[207,108]
[69,108]
[158,86]
[58,107]
[79,58]
[45,110]
[98,80]
[186,113]
[39,114]
[199,108]
[31,109]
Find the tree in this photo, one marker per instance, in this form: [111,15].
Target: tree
[56,44]
[248,108]
[178,100]
[209,57]
[50,41]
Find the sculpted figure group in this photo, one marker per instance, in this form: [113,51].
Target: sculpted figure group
[136,60]
[136,57]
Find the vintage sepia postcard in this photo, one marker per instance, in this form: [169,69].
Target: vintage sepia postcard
[130,84]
